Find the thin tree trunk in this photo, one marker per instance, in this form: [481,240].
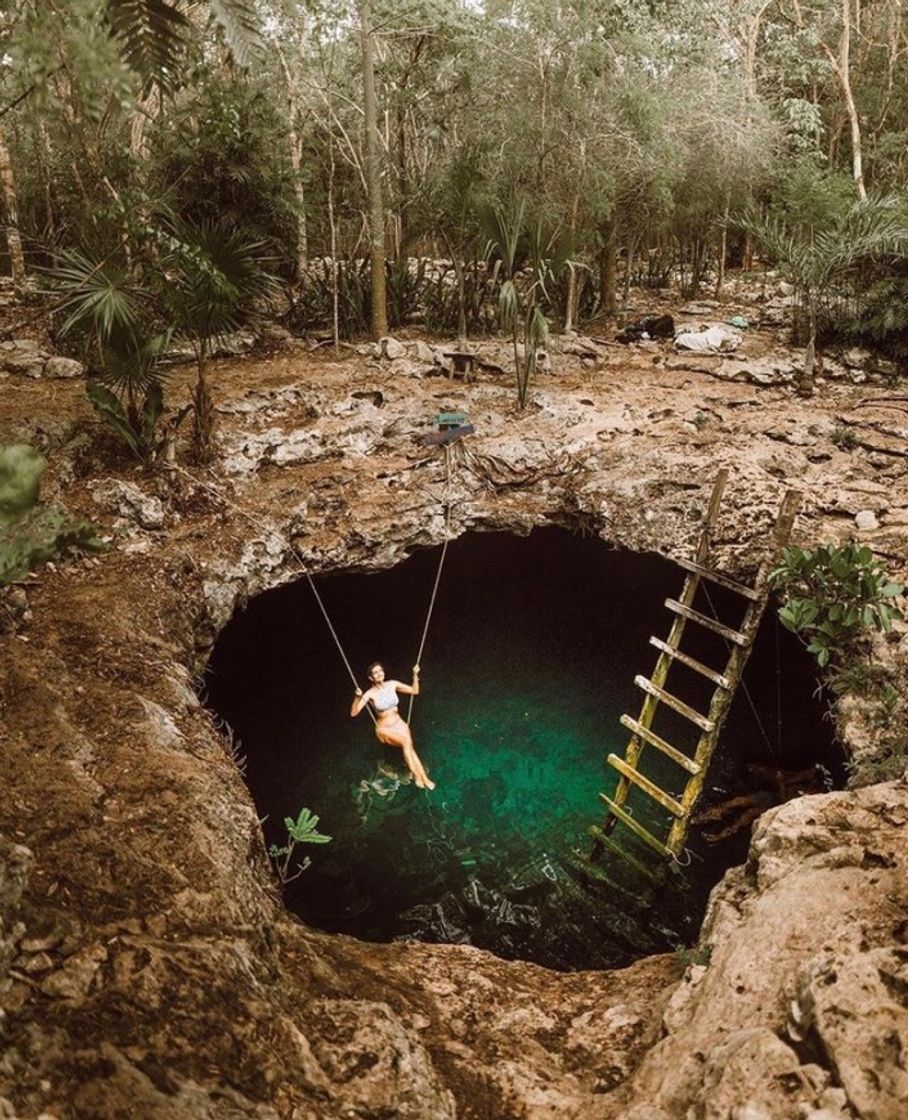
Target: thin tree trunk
[203,409]
[295,143]
[403,182]
[629,267]
[805,383]
[44,162]
[332,224]
[373,177]
[842,66]
[13,237]
[608,271]
[571,295]
[723,249]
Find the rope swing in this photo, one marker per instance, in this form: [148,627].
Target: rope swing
[441,563]
[267,529]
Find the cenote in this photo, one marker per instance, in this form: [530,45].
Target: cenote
[530,661]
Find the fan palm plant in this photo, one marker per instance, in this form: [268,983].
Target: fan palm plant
[216,280]
[814,260]
[105,304]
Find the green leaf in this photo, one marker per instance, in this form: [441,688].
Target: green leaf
[151,35]
[21,468]
[112,412]
[238,21]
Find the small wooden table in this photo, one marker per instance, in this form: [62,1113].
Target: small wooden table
[462,362]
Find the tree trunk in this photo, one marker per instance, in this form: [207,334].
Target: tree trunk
[295,143]
[203,410]
[332,224]
[608,272]
[403,185]
[631,250]
[373,177]
[805,383]
[723,250]
[842,66]
[13,238]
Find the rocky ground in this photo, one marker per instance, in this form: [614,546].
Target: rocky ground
[147,967]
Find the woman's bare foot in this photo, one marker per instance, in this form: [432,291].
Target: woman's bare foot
[429,784]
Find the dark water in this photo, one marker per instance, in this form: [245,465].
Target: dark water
[530,661]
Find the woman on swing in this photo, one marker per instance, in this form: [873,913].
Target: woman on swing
[390,727]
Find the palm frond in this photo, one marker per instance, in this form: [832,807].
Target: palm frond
[223,274]
[130,364]
[239,24]
[99,296]
[508,305]
[151,35]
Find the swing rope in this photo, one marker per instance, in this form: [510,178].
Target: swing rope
[262,527]
[444,550]
[773,751]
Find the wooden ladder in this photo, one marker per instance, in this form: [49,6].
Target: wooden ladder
[739,642]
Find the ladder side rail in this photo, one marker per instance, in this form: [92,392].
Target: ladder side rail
[664,662]
[721,702]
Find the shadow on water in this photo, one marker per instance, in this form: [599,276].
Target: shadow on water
[530,661]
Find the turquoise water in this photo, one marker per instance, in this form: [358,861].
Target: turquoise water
[530,662]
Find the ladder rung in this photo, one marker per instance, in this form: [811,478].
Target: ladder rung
[703,722]
[632,775]
[667,749]
[692,663]
[719,578]
[709,623]
[635,826]
[600,837]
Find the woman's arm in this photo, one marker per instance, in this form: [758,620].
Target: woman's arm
[409,689]
[360,700]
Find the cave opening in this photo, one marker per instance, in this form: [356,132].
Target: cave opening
[529,663]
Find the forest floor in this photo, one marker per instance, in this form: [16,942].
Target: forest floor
[147,887]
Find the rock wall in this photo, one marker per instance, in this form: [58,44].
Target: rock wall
[147,967]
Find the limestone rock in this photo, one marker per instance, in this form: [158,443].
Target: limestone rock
[807,882]
[396,1079]
[15,864]
[866,521]
[389,348]
[423,352]
[771,369]
[273,334]
[127,500]
[35,963]
[861,1022]
[74,980]
[63,368]
[857,357]
[27,363]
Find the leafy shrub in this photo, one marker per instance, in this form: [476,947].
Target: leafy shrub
[303,830]
[481,287]
[844,438]
[31,534]
[313,306]
[832,594]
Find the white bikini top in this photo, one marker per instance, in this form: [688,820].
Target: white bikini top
[386,698]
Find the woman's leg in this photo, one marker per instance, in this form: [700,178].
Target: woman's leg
[400,736]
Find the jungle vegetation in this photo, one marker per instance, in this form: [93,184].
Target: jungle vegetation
[169,166]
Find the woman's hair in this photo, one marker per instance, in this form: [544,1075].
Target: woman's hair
[374,665]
